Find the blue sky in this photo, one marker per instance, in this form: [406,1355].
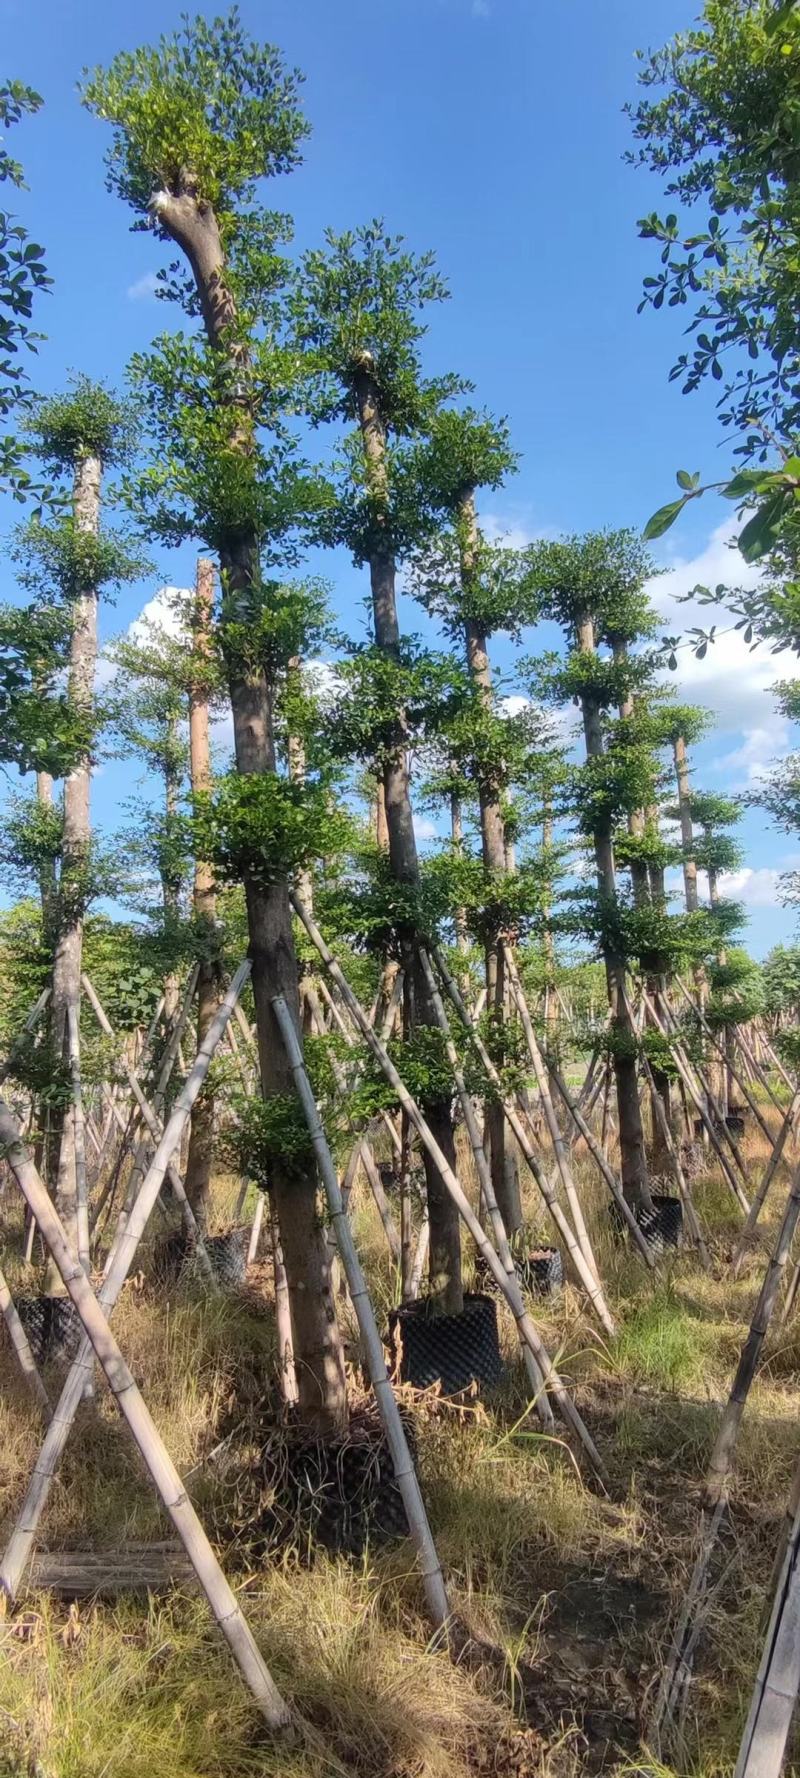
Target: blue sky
[492,131]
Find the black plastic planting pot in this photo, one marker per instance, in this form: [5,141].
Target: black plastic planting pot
[451,1351]
[227,1256]
[662,1226]
[52,1325]
[540,1270]
[340,1493]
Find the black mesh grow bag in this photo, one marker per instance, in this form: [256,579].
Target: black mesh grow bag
[66,1329]
[662,1226]
[227,1256]
[34,1313]
[453,1351]
[540,1271]
[340,1493]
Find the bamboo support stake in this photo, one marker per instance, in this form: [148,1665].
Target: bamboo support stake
[21,1344]
[155,1127]
[721,1051]
[769,1718]
[679,1176]
[433,1580]
[587,1279]
[556,1138]
[29,1025]
[769,1174]
[722,1455]
[508,1285]
[696,1097]
[79,1137]
[501,1242]
[599,1157]
[120,1260]
[148,1440]
[255,1229]
[283,1318]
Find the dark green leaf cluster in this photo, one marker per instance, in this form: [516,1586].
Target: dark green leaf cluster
[87,421]
[65,561]
[426,687]
[269,1135]
[269,623]
[260,827]
[493,596]
[601,576]
[22,274]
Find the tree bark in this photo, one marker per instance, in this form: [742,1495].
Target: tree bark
[48,888]
[75,851]
[685,815]
[316,1337]
[633,1159]
[200,1156]
[504,1170]
[444,1256]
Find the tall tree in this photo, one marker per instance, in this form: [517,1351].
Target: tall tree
[198,121]
[358,305]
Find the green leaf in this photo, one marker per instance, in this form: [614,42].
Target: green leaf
[687,481]
[760,531]
[666,516]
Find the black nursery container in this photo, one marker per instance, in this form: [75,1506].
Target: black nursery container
[227,1256]
[34,1313]
[662,1226]
[453,1351]
[540,1270]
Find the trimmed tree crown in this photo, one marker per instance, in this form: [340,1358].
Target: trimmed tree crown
[601,575]
[207,111]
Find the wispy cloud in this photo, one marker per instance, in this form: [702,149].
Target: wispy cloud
[481,9]
[143,288]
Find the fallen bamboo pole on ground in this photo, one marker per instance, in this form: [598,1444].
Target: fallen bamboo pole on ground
[130,1402]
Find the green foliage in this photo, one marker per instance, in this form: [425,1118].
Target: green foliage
[269,623]
[494,596]
[357,307]
[87,421]
[781,977]
[612,784]
[31,839]
[601,576]
[428,688]
[737,990]
[65,561]
[22,274]
[676,722]
[260,828]
[208,111]
[268,1134]
[40,730]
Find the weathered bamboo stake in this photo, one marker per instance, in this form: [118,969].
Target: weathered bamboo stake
[155,1127]
[28,1026]
[587,1278]
[769,1174]
[556,1138]
[162,1470]
[420,1257]
[283,1319]
[722,1455]
[599,1157]
[118,1265]
[769,1719]
[508,1285]
[698,1101]
[433,1580]
[81,1191]
[677,1169]
[501,1242]
[255,1229]
[172,1048]
[721,1051]
[777,1063]
[791,1296]
[21,1343]
[760,1073]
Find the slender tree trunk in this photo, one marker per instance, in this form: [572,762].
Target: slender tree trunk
[316,1337]
[75,851]
[48,888]
[631,1133]
[444,1256]
[200,1156]
[685,815]
[505,1174]
[457,842]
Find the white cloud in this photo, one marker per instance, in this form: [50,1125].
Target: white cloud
[747,764]
[425,828]
[512,534]
[143,288]
[160,613]
[730,681]
[756,888]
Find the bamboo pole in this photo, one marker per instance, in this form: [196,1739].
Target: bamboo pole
[79,1137]
[769,1719]
[148,1440]
[255,1229]
[599,1157]
[508,1285]
[556,1138]
[283,1318]
[21,1344]
[30,1023]
[155,1127]
[769,1174]
[677,1169]
[501,1242]
[120,1260]
[433,1580]
[725,1054]
[696,1097]
[589,1282]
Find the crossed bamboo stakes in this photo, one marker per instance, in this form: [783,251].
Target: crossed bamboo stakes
[547,1386]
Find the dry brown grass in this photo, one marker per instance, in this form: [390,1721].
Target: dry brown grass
[566,1597]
